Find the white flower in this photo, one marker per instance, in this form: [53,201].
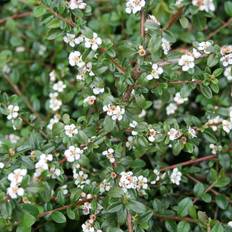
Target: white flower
[75,59]
[79,39]
[53,121]
[87,227]
[187,62]
[87,68]
[171,108]
[20,49]
[129,142]
[176,176]
[204,5]
[52,76]
[179,100]
[214,123]
[77,4]
[116,112]
[55,104]
[16,176]
[141,183]
[70,130]
[166,46]
[64,189]
[179,2]
[205,47]
[70,39]
[90,100]
[73,153]
[214,148]
[152,135]
[127,181]
[192,132]
[174,134]
[13,138]
[97,90]
[109,153]
[227,126]
[229,224]
[104,186]
[14,191]
[152,20]
[81,179]
[226,60]
[86,208]
[157,178]
[133,124]
[94,42]
[196,53]
[13,112]
[59,86]
[155,73]
[2,165]
[56,172]
[228,73]
[134,6]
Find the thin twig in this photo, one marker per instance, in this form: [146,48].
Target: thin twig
[142,20]
[136,69]
[175,218]
[57,15]
[174,18]
[19,93]
[129,222]
[189,162]
[16,16]
[226,24]
[78,203]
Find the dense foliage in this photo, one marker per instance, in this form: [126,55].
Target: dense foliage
[115,115]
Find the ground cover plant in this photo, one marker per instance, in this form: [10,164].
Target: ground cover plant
[115,115]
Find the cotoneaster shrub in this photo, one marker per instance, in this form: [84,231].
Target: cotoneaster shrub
[115,115]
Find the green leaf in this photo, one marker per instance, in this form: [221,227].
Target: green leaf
[27,220]
[198,189]
[58,217]
[183,206]
[184,22]
[206,91]
[221,201]
[108,124]
[217,228]
[136,206]
[183,227]
[228,8]
[39,11]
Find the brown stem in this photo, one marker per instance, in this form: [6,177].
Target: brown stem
[129,222]
[78,203]
[175,218]
[174,18]
[226,24]
[190,162]
[142,20]
[57,15]
[16,16]
[19,93]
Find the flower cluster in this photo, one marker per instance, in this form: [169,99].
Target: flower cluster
[204,5]
[129,181]
[155,73]
[42,164]
[134,6]
[16,178]
[115,112]
[73,153]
